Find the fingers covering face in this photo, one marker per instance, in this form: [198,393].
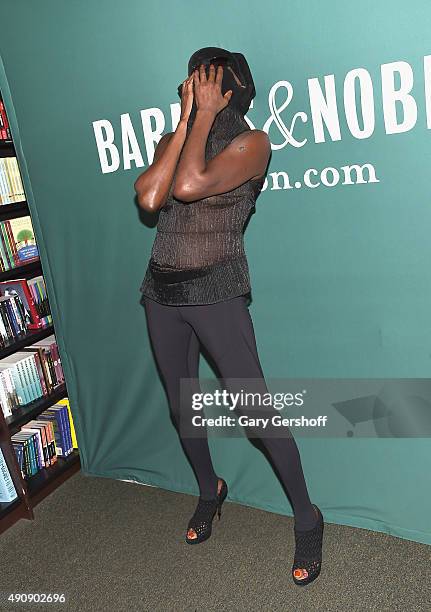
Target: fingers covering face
[200,75]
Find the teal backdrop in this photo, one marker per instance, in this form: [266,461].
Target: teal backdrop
[340,272]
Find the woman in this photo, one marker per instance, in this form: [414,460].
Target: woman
[204,180]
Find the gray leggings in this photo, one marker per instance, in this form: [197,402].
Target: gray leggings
[225,330]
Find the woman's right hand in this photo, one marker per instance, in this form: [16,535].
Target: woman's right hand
[186,98]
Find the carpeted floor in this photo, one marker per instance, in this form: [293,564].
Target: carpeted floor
[112,545]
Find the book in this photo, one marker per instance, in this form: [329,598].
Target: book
[7,488]
[61,442]
[28,439]
[22,238]
[53,360]
[65,402]
[37,288]
[19,287]
[19,452]
[66,424]
[5,133]
[11,187]
[38,442]
[44,435]
[19,312]
[29,374]
[9,399]
[18,375]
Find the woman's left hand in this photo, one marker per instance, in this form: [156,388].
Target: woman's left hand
[207,91]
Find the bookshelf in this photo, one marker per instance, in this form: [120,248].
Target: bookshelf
[33,489]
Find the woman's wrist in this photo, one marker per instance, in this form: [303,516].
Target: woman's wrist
[206,112]
[182,124]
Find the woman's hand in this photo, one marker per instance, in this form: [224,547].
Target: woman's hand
[186,98]
[207,91]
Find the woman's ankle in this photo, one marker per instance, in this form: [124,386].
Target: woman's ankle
[307,519]
[210,494]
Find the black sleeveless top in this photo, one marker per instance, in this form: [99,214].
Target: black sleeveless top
[198,253]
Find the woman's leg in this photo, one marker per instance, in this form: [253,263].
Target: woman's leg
[226,330]
[176,349]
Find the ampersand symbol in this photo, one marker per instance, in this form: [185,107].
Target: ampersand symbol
[275,116]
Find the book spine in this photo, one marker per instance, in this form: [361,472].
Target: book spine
[6,244]
[52,440]
[63,412]
[45,442]
[38,445]
[59,415]
[65,401]
[26,458]
[8,181]
[28,373]
[11,318]
[12,394]
[5,319]
[29,449]
[41,427]
[40,373]
[7,490]
[4,400]
[23,377]
[19,452]
[58,431]
[37,392]
[12,242]
[18,384]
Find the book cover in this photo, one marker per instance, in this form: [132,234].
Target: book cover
[24,239]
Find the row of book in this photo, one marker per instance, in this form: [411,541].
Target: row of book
[5,133]
[30,374]
[38,445]
[41,441]
[17,243]
[24,306]
[11,187]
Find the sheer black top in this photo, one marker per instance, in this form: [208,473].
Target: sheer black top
[198,253]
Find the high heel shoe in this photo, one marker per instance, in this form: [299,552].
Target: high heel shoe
[201,521]
[308,552]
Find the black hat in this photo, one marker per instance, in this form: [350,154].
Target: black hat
[242,96]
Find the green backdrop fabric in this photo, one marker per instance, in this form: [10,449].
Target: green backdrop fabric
[340,272]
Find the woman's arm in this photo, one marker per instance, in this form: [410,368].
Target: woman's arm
[152,186]
[244,158]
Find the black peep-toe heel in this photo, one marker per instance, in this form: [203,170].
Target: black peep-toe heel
[201,521]
[308,552]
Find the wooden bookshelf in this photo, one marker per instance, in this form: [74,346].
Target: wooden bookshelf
[7,148]
[33,409]
[31,490]
[48,479]
[16,209]
[27,270]
[29,338]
